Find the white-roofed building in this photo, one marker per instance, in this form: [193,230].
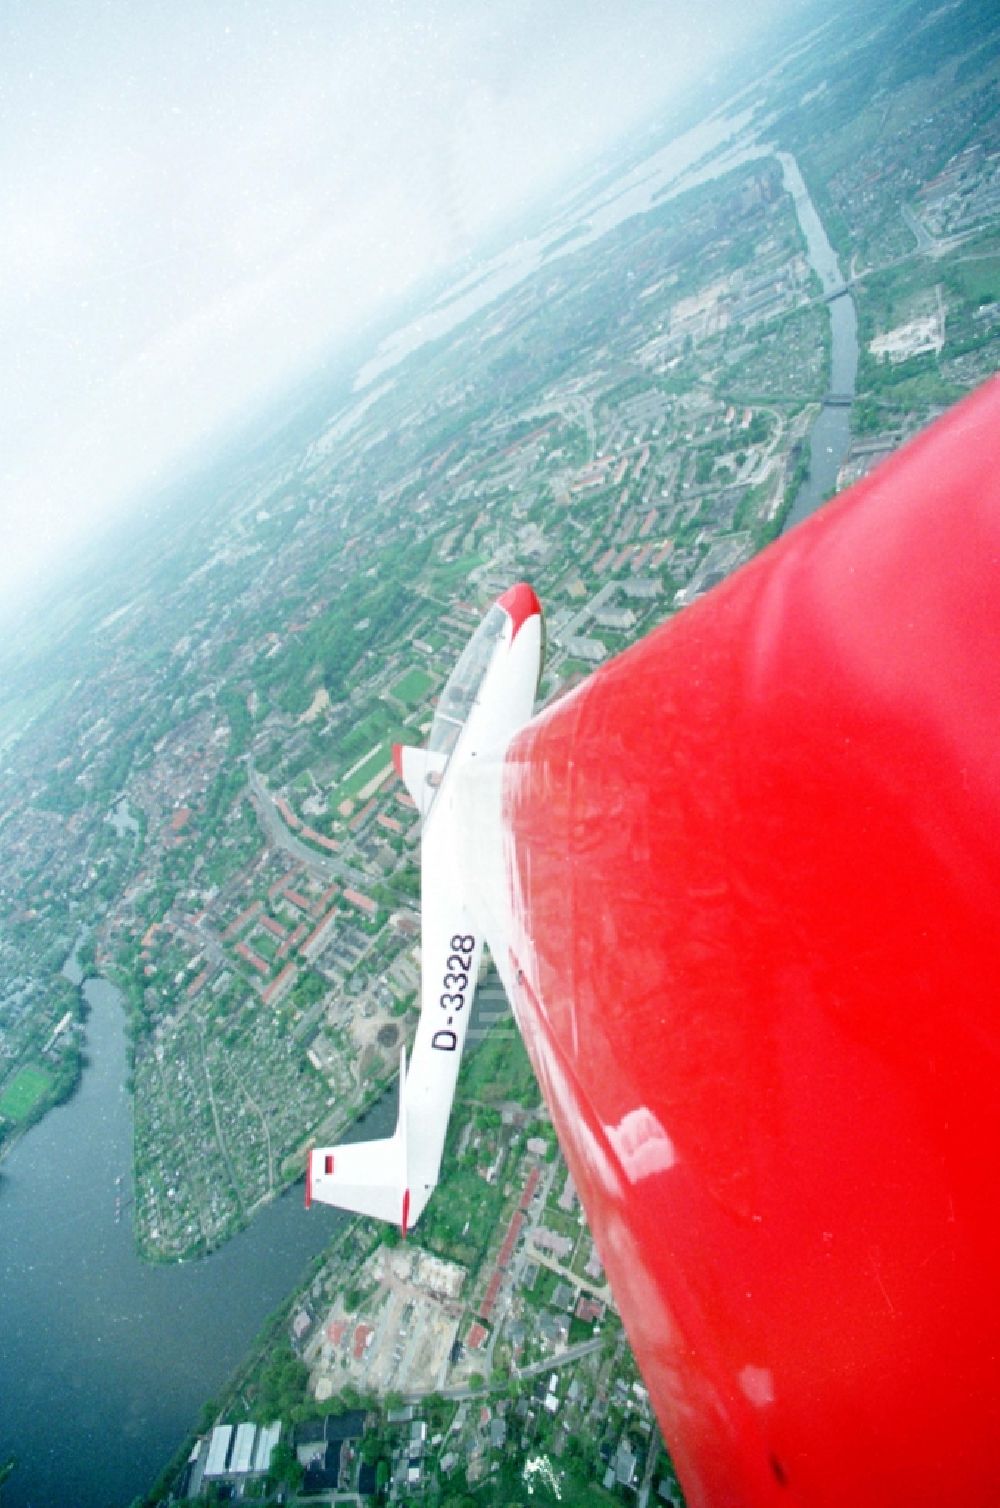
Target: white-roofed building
[267,1439]
[582,648]
[242,1457]
[218,1450]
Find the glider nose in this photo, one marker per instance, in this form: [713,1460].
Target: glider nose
[519,603]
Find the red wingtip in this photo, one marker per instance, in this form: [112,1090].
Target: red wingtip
[309,1177]
[519,603]
[405,1222]
[397,759]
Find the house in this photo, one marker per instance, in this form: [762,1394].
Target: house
[322,1467]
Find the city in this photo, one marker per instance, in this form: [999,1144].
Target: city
[197,797]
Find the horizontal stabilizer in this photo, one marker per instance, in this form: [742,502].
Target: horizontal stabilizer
[368,1177]
[421,771]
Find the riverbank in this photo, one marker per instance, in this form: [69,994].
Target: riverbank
[239,1396]
[39,1087]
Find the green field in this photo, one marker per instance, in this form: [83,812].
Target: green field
[263,943]
[378,759]
[381,724]
[413,688]
[457,1224]
[447,578]
[979,280]
[499,1070]
[23,1092]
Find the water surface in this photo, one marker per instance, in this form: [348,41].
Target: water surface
[105,1361]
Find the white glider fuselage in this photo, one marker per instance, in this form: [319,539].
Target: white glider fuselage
[456,784]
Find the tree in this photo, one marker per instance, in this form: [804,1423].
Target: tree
[373,1448]
[285,1469]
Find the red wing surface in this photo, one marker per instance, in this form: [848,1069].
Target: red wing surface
[755,869]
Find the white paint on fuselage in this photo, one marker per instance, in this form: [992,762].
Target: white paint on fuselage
[463,890]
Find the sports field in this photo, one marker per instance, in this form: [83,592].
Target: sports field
[414,687]
[21,1093]
[380,758]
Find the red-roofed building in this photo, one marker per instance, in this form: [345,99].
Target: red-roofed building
[286,812]
[510,1240]
[239,922]
[279,885]
[181,818]
[358,821]
[527,439]
[335,1331]
[253,959]
[476,1336]
[530,1187]
[490,1297]
[293,941]
[320,934]
[363,902]
[275,928]
[389,823]
[362,1336]
[298,899]
[280,986]
[324,842]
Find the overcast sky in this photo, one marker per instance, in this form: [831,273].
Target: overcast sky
[200,198]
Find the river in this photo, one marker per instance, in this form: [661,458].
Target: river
[831,433]
[106,1362]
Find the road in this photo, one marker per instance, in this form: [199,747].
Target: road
[599,1290]
[925,241]
[325,866]
[552,1364]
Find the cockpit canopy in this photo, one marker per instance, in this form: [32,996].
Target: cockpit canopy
[459,695]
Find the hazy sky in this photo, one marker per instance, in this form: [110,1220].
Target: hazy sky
[200,196]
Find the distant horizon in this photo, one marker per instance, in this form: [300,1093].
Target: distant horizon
[186,253]
[151,504]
